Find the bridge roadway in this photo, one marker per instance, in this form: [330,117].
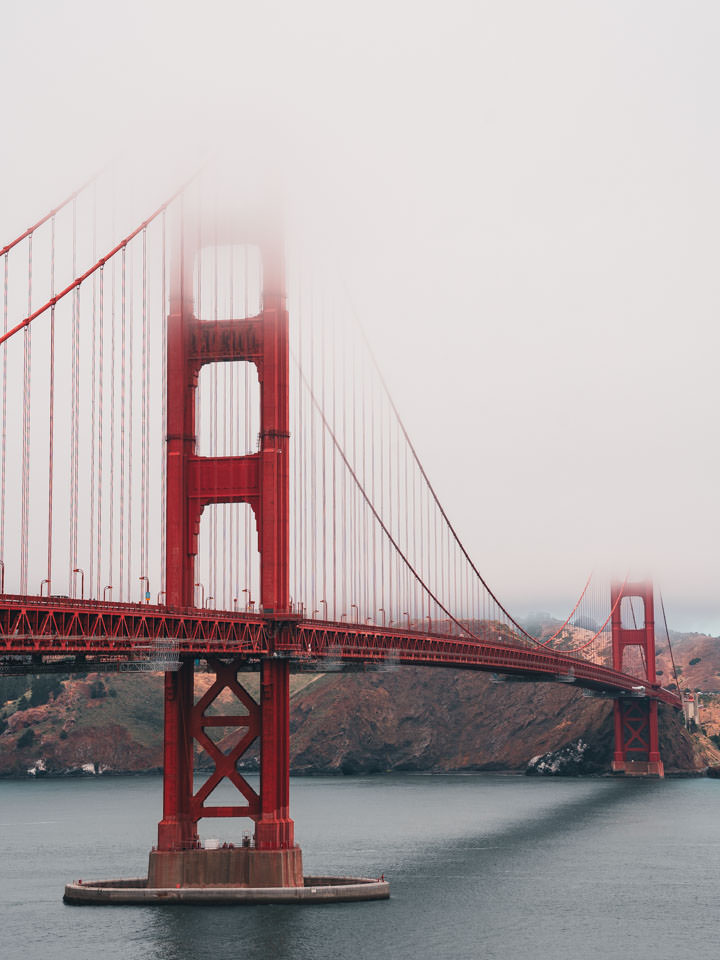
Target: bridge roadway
[36,627]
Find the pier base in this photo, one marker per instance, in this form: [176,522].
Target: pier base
[638,768]
[227,866]
[312,890]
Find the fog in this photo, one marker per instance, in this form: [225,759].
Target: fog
[523,201]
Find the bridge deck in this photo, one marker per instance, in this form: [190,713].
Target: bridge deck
[42,626]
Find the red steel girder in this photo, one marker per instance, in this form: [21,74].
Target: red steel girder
[52,626]
[358,642]
[224,340]
[225,763]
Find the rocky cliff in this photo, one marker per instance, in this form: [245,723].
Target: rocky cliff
[405,719]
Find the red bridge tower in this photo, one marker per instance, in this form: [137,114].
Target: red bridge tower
[260,479]
[637,749]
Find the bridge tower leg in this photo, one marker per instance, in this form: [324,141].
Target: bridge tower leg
[637,748]
[262,480]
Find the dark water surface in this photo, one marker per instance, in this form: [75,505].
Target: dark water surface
[480,866]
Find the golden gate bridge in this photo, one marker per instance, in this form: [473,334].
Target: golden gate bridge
[201,461]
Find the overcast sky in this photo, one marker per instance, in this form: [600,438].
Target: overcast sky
[524,198]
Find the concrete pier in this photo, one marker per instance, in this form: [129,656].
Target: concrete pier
[313,890]
[226,866]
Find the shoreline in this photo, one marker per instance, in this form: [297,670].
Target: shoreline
[338,774]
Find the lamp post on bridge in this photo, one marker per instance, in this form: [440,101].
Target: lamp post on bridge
[354,606]
[2,576]
[108,587]
[202,587]
[147,588]
[82,581]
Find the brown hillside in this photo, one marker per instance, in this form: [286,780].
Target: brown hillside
[704,673]
[407,719]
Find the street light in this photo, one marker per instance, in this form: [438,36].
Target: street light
[2,576]
[161,594]
[147,590]
[235,602]
[249,601]
[382,611]
[207,602]
[108,587]
[429,620]
[357,612]
[326,608]
[203,593]
[82,581]
[42,583]
[406,614]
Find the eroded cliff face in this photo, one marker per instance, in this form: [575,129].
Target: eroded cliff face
[408,719]
[446,720]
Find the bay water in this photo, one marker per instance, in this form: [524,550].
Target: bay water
[480,866]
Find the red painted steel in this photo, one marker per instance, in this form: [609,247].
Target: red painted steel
[194,482]
[177,830]
[275,829]
[225,763]
[636,721]
[33,625]
[54,626]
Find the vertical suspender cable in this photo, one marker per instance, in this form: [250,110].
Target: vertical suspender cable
[113,364]
[199,561]
[3,452]
[163,458]
[121,479]
[51,411]
[27,386]
[312,596]
[101,438]
[230,448]
[214,415]
[333,321]
[144,427]
[131,404]
[354,532]
[323,496]
[72,559]
[248,442]
[93,390]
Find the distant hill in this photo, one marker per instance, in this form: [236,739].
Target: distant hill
[697,658]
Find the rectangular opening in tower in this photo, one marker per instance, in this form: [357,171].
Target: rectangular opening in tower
[632,613]
[227,409]
[228,560]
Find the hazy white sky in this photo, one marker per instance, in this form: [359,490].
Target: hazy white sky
[525,200]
